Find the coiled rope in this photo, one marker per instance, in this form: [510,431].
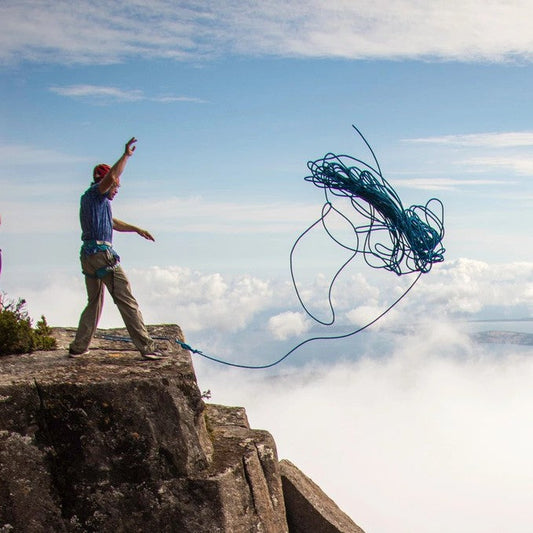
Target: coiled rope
[413,236]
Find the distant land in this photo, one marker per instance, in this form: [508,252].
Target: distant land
[523,319]
[503,337]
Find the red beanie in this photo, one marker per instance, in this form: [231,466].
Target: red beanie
[100,171]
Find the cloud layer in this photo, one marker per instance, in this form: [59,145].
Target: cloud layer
[433,437]
[219,309]
[104,32]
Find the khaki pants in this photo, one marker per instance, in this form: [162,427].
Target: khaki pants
[118,286]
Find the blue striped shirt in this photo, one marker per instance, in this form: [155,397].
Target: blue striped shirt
[95,216]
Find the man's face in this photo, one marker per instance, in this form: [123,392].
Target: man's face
[113,191]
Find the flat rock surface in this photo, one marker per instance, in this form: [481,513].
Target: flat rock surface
[108,359]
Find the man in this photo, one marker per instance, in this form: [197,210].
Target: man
[101,264]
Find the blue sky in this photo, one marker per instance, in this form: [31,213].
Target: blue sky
[229,100]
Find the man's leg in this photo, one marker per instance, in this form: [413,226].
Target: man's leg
[119,288]
[89,317]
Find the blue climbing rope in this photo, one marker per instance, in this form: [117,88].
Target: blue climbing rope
[414,234]
[389,236]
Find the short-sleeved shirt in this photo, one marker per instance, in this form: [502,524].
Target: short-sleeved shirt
[96,217]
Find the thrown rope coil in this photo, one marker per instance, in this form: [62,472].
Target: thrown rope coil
[414,234]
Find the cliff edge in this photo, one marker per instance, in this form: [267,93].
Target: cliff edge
[109,442]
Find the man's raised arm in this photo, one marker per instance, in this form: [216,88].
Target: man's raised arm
[113,176]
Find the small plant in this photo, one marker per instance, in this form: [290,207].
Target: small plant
[16,332]
[43,335]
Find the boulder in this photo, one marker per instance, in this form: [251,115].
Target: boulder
[309,508]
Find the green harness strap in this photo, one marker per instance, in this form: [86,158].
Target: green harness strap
[93,247]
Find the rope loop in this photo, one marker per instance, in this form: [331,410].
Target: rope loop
[413,235]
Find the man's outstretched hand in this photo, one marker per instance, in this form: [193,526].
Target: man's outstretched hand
[130,147]
[146,234]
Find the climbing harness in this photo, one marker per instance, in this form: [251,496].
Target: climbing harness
[92,247]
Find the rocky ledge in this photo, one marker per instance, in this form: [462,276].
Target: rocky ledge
[110,443]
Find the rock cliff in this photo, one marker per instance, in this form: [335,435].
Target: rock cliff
[110,443]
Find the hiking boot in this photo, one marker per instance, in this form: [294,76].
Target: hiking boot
[72,353]
[153,355]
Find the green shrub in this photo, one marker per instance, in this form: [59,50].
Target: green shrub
[16,332]
[43,336]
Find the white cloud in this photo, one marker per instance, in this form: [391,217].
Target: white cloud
[60,297]
[480,152]
[447,184]
[517,164]
[486,140]
[106,94]
[364,314]
[196,301]
[288,324]
[465,287]
[199,301]
[98,91]
[59,31]
[171,99]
